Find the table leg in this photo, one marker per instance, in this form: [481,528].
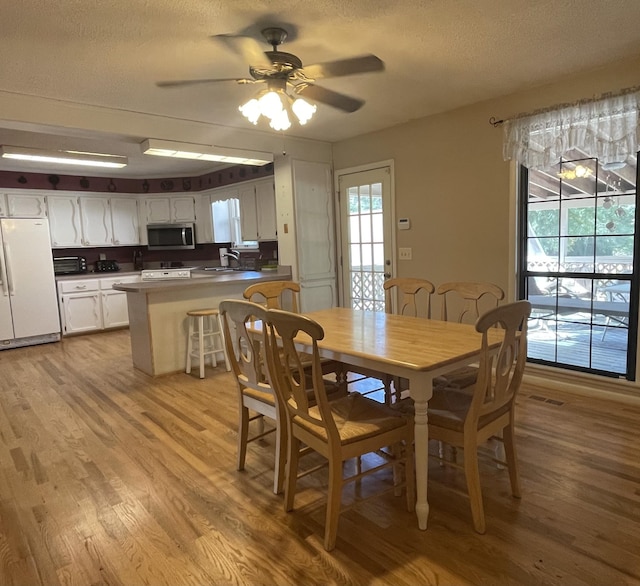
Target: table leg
[421,434]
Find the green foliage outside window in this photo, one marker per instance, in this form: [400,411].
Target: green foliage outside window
[614,227]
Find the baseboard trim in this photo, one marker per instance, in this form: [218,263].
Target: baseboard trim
[578,383]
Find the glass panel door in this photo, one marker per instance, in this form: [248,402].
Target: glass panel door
[366,237]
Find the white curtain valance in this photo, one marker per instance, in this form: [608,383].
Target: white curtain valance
[605,128]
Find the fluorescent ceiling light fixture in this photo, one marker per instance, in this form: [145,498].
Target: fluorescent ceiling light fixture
[199,152]
[63,157]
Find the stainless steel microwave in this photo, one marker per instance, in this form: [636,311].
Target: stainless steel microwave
[171,236]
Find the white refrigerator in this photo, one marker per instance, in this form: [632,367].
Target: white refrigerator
[28,301]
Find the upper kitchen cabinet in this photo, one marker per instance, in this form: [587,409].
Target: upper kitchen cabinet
[64,221]
[258,210]
[168,209]
[23,205]
[92,220]
[124,221]
[95,216]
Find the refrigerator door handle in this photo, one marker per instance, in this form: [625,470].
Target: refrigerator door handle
[3,274]
[7,272]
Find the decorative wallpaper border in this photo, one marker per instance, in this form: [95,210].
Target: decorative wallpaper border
[228,176]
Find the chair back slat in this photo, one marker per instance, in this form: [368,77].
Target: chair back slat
[245,349]
[413,296]
[288,366]
[500,375]
[275,294]
[472,297]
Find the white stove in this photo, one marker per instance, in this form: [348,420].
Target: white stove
[164,274]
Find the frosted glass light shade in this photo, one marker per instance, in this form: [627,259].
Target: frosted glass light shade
[270,105]
[280,121]
[251,111]
[303,110]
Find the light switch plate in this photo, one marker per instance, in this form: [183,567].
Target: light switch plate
[404,253]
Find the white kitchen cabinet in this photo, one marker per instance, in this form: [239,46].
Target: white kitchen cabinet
[158,210]
[183,209]
[258,210]
[26,205]
[80,306]
[204,221]
[124,221]
[266,210]
[92,304]
[115,313]
[3,206]
[248,212]
[114,309]
[95,217]
[167,209]
[64,221]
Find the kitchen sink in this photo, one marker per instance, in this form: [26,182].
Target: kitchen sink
[224,269]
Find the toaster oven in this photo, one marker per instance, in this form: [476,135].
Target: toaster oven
[69,265]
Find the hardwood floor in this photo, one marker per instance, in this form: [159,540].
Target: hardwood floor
[111,477]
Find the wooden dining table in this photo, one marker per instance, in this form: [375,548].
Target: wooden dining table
[414,348]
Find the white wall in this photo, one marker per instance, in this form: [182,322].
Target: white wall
[451,179]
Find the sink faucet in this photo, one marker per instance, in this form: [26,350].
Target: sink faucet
[234,254]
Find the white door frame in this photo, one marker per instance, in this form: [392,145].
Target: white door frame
[340,220]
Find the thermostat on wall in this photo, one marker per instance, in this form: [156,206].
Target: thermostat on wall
[404,224]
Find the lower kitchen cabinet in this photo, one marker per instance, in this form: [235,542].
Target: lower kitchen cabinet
[88,305]
[80,312]
[80,308]
[115,313]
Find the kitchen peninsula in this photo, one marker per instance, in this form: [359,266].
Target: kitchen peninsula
[157,312]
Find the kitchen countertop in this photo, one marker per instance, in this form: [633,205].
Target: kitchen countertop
[96,274]
[211,277]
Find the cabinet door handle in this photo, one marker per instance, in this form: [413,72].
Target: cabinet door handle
[81,286]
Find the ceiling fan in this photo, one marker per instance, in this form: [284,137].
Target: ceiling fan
[285,74]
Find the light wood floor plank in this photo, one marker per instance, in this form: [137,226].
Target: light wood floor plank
[108,476]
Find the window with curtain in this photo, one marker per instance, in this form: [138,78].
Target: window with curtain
[577,248]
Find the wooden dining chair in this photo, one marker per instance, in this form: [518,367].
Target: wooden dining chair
[408,296]
[245,351]
[285,295]
[338,430]
[467,420]
[405,296]
[463,302]
[402,296]
[275,294]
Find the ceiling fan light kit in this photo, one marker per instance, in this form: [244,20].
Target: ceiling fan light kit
[63,157]
[200,152]
[290,85]
[277,106]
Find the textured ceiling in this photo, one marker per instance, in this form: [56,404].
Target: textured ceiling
[439,55]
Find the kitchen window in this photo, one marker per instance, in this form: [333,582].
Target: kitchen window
[227,226]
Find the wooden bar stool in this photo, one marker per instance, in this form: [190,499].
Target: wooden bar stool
[205,338]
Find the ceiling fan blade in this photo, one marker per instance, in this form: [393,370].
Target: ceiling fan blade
[362,64]
[184,82]
[250,50]
[329,97]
